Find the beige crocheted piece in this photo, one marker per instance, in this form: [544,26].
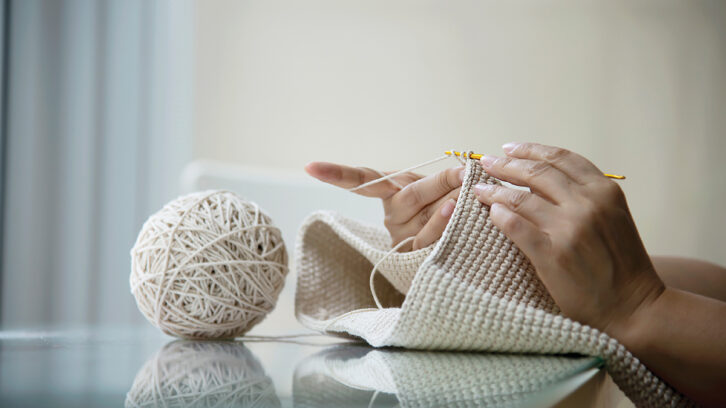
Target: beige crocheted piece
[355,376]
[473,290]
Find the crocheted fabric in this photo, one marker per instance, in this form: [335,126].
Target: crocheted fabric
[355,376]
[473,290]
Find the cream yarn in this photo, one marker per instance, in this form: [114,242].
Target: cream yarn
[208,265]
[202,374]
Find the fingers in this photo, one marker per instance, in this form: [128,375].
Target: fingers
[528,205]
[417,195]
[540,176]
[349,177]
[530,239]
[435,227]
[413,226]
[572,164]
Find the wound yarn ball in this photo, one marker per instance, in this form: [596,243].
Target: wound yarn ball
[209,265]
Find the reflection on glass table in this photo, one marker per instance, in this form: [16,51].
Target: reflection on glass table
[140,368]
[203,374]
[342,375]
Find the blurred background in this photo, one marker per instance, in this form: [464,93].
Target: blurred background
[112,108]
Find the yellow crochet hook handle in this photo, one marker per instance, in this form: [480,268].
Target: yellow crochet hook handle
[477,156]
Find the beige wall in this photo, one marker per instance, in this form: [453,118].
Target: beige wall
[639,87]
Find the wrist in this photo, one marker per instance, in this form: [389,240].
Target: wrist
[635,330]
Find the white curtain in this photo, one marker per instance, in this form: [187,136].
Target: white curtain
[99,108]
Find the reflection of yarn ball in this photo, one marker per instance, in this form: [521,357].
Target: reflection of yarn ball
[202,374]
[208,265]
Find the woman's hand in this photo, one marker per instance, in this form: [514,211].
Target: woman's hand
[577,231]
[421,209]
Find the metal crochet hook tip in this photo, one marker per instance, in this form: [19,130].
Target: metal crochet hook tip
[477,156]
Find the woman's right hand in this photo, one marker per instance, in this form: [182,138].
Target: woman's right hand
[421,209]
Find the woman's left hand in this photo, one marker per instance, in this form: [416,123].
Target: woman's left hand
[420,209]
[577,231]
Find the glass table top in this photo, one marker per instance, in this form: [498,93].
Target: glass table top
[139,367]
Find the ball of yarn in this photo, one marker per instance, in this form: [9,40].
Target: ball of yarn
[202,374]
[208,265]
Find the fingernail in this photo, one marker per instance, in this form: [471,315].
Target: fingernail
[461,175]
[487,160]
[482,188]
[448,208]
[508,147]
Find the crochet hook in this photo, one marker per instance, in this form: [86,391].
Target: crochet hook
[477,156]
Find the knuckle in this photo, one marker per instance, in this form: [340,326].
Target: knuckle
[613,193]
[542,243]
[602,211]
[578,233]
[410,196]
[516,199]
[562,255]
[522,149]
[605,198]
[361,174]
[526,150]
[424,216]
[537,168]
[388,222]
[555,154]
[442,180]
[503,161]
[510,224]
[505,221]
[416,245]
[588,213]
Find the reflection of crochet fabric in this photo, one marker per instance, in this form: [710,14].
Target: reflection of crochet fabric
[474,290]
[341,376]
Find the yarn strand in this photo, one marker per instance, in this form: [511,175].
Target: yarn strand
[465,155]
[380,261]
[398,173]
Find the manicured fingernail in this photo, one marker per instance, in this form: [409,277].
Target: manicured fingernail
[482,188]
[461,175]
[508,147]
[448,208]
[487,160]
